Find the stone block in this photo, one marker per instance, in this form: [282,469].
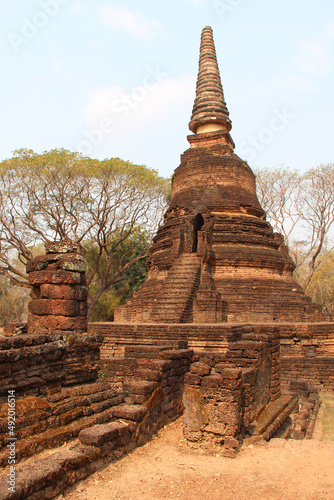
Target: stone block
[139,399]
[299,385]
[156,364]
[231,373]
[130,412]
[195,415]
[15,329]
[51,323]
[181,354]
[64,291]
[231,442]
[200,369]
[140,386]
[192,379]
[56,307]
[65,246]
[43,473]
[74,262]
[146,374]
[219,367]
[102,433]
[212,381]
[54,277]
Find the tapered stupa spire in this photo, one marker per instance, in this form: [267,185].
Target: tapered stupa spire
[209,112]
[215,258]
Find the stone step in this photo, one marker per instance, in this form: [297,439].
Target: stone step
[175,272]
[172,304]
[146,350]
[172,285]
[48,474]
[55,422]
[281,418]
[56,395]
[168,300]
[174,293]
[272,418]
[180,280]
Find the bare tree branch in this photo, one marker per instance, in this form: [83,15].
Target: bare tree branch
[60,194]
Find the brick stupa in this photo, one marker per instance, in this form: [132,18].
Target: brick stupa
[216,258]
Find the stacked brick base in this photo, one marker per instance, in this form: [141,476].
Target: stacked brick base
[238,369]
[225,392]
[307,354]
[58,290]
[222,385]
[36,364]
[101,421]
[109,390]
[306,349]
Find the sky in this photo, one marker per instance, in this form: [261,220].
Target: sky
[117,79]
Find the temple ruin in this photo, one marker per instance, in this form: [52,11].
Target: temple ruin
[220,332]
[216,258]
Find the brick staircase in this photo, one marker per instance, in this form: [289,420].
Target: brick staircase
[272,418]
[291,416]
[136,306]
[175,303]
[95,422]
[49,421]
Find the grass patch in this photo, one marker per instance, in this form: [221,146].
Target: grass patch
[328,419]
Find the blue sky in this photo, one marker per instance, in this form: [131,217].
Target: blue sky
[117,79]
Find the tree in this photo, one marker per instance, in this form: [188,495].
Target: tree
[278,190]
[316,209]
[321,286]
[123,286]
[98,204]
[301,208]
[13,302]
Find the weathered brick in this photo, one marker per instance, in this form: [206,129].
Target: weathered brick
[51,323]
[130,412]
[55,307]
[99,434]
[54,277]
[67,292]
[200,369]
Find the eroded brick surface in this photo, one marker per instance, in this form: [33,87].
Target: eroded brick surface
[58,290]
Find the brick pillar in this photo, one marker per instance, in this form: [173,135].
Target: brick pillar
[58,290]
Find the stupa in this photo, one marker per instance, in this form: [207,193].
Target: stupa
[216,258]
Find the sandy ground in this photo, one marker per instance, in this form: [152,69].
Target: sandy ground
[167,469]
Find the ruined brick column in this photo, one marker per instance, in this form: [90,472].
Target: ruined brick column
[58,290]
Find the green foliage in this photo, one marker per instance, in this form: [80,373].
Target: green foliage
[98,204]
[134,247]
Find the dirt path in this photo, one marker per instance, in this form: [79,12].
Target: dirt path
[167,469]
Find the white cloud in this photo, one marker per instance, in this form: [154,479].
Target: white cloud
[150,101]
[57,63]
[317,55]
[133,23]
[77,6]
[295,83]
[196,2]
